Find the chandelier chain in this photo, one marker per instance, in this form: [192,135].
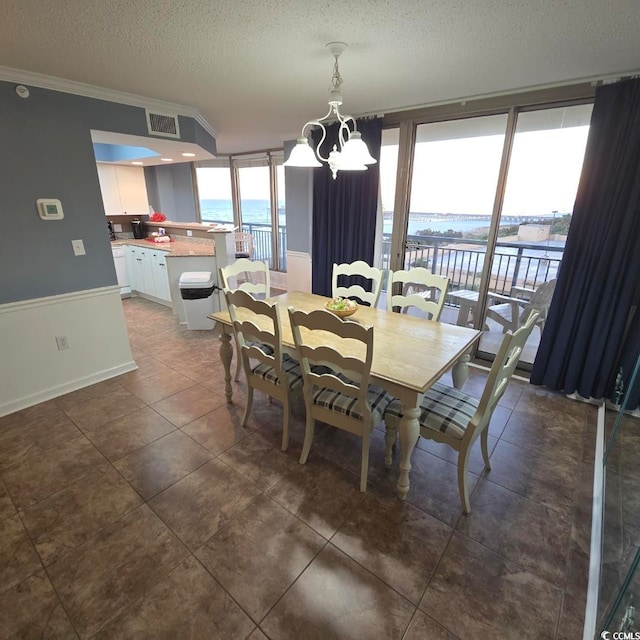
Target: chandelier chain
[336,78]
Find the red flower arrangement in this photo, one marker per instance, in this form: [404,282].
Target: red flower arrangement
[157,217]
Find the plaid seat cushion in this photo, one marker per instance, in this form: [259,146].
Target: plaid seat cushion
[290,367]
[443,409]
[377,398]
[263,346]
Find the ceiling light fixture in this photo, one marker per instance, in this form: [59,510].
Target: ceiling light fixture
[353,154]
[188,155]
[136,162]
[166,159]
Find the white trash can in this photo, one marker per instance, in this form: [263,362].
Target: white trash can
[196,290]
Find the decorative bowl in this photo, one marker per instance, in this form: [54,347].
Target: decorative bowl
[342,307]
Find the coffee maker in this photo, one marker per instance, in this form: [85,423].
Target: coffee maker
[112,234]
[138,228]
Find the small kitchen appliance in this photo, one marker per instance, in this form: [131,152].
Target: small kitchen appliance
[138,228]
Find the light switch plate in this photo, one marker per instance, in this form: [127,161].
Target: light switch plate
[78,248]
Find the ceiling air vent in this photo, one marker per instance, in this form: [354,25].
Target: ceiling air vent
[162,124]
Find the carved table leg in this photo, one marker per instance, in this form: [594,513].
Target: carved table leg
[460,371]
[409,432]
[226,353]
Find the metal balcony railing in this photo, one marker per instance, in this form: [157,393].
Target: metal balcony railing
[518,264]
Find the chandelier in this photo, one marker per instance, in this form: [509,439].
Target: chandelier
[353,154]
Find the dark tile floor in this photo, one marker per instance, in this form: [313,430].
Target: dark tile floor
[139,508]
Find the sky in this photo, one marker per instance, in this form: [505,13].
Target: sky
[459,175]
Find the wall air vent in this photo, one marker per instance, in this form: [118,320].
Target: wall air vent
[162,124]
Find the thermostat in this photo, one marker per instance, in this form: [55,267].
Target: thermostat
[50,209]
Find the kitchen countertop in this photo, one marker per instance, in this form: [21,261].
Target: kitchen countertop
[176,249]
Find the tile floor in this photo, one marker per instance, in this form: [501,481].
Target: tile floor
[140,508]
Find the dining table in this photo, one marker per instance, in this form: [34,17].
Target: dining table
[409,355]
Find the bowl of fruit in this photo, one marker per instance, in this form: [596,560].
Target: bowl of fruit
[342,307]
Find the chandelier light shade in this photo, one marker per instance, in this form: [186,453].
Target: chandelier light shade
[353,154]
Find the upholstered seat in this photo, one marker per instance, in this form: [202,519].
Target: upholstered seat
[258,335]
[350,403]
[455,418]
[377,398]
[290,368]
[444,409]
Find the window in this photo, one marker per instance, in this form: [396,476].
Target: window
[214,191]
[253,187]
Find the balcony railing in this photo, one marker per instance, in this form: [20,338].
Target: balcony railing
[262,242]
[514,263]
[518,264]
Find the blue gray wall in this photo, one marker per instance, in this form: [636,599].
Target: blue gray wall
[299,203]
[46,152]
[170,191]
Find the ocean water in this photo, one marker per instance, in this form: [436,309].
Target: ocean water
[253,211]
[257,212]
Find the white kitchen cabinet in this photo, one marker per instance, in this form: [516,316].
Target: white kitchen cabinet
[160,275]
[134,257]
[133,190]
[109,188]
[148,273]
[124,190]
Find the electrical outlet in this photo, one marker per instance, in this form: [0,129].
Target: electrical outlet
[62,342]
[78,248]
[189,232]
[117,228]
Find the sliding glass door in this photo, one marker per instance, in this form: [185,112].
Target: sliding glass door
[541,182]
[489,205]
[456,165]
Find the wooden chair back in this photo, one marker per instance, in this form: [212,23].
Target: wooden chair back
[248,275]
[361,269]
[419,288]
[255,323]
[244,244]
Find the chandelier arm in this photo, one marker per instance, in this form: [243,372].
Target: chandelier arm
[344,131]
[324,135]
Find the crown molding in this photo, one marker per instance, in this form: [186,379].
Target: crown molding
[19,76]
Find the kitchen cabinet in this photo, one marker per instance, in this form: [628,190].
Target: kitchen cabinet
[160,275]
[124,190]
[147,270]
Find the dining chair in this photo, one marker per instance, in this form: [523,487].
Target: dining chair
[247,275]
[420,288]
[258,336]
[335,357]
[455,418]
[360,269]
[510,311]
[244,244]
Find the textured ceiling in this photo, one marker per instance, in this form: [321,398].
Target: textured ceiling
[257,70]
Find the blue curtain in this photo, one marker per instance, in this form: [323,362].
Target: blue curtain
[344,209]
[593,327]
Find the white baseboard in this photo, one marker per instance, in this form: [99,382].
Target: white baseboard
[72,385]
[33,370]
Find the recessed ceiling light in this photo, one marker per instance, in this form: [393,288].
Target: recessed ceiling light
[189,155]
[166,159]
[137,163]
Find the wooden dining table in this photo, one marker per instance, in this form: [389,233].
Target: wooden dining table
[409,355]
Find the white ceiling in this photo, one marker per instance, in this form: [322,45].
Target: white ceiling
[257,70]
